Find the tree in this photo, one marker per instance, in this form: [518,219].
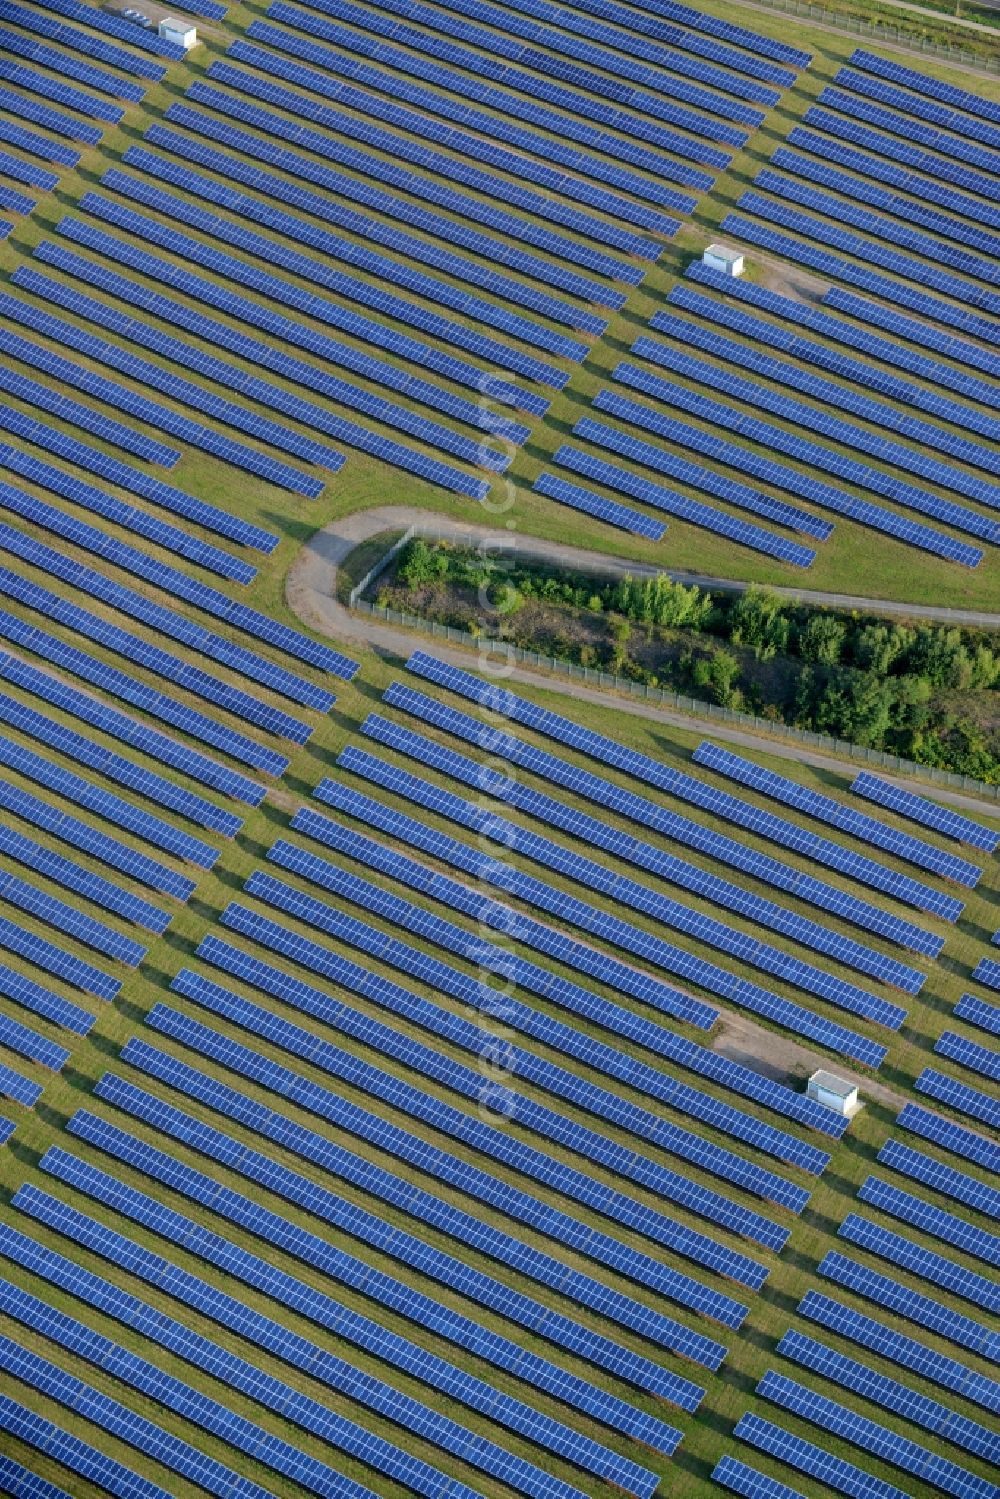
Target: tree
[756,621]
[822,639]
[420,564]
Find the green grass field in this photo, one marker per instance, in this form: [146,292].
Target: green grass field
[842,564]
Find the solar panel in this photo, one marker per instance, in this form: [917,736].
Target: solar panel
[21,1089]
[651,1081]
[960,1096]
[361,1275]
[887,1291]
[472,1180]
[880,1441]
[466,1082]
[69,1450]
[893,1396]
[921,1262]
[834,1472]
[678,783]
[368,228]
[987,971]
[936,1174]
[139,1431]
[977,1012]
[934,1221]
[263,1332]
[952,1136]
[730,1473]
[837,814]
[582,872]
[920,809]
[969,1054]
[600,834]
[254,1271]
[373,1230]
[905,1351]
[649,814]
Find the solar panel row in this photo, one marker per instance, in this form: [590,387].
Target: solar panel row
[763,435]
[285,293]
[653,816]
[624,846]
[836,813]
[65,66]
[969,1054]
[46,87]
[372,1229]
[138,1373]
[27,108]
[921,1262]
[468,1084]
[292,1349]
[73,831]
[20,1089]
[930,372]
[123,685]
[537,29]
[254,148]
[470,1181]
[887,1291]
[961,121]
[687,787]
[960,1096]
[173,668]
[839,268]
[134,482]
[366,227]
[119,769]
[977,1012]
[129,517]
[358,1330]
[555,137]
[924,188]
[419,125]
[254,354]
[583,872]
[860,1378]
[81,41]
[901,1349]
[622,481]
[75,877]
[160,417]
[112,25]
[577,497]
[828,392]
[954,1137]
[755,396]
[673,129]
[934,1173]
[39,1001]
[54,960]
[834,1472]
[74,790]
[361,1275]
[466,1034]
[871,1437]
[932,1219]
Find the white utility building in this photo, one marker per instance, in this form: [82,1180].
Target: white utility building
[723,258]
[834,1093]
[181,33]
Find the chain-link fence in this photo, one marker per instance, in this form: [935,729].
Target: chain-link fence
[664,698]
[878,30]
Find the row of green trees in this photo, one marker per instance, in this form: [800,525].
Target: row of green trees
[901,686]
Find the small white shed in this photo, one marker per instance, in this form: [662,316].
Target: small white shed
[834,1093]
[724,259]
[181,33]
